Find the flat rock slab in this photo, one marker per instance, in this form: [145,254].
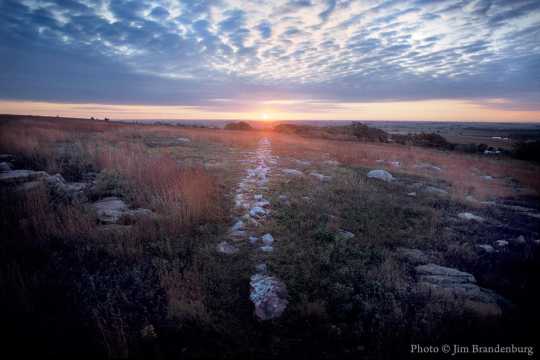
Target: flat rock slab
[380,174]
[469,216]
[292,172]
[16,177]
[269,296]
[443,275]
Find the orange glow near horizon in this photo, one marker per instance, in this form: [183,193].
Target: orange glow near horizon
[425,110]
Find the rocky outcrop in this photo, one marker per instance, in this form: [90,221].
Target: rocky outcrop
[457,285]
[380,174]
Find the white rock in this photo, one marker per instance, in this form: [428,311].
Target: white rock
[469,216]
[226,248]
[380,175]
[267,248]
[488,249]
[501,243]
[320,177]
[239,225]
[269,296]
[253,240]
[292,172]
[257,212]
[412,193]
[267,239]
[183,139]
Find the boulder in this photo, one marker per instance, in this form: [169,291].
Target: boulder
[380,174]
[269,296]
[427,167]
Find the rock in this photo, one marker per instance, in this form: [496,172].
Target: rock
[437,274]
[413,194]
[267,239]
[380,175]
[226,248]
[485,248]
[267,248]
[469,216]
[4,166]
[239,225]
[344,235]
[262,203]
[436,191]
[292,172]
[62,190]
[183,140]
[487,177]
[257,212]
[413,256]
[428,167]
[109,210]
[16,177]
[451,283]
[261,268]
[320,177]
[501,243]
[7,158]
[331,162]
[253,240]
[269,296]
[520,240]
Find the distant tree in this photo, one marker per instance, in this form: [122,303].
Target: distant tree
[92,118]
[106,119]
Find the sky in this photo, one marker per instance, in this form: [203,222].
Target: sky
[445,60]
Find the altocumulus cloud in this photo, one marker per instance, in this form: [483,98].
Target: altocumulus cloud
[194,52]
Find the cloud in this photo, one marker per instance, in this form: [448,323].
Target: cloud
[193,52]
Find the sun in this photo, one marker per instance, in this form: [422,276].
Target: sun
[265,116]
